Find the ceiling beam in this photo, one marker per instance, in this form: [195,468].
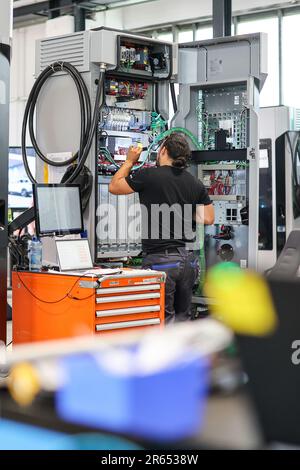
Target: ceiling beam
[51,7]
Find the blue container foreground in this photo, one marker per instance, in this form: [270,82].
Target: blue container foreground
[166,406]
[19,436]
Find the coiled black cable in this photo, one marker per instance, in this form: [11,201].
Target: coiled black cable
[88,123]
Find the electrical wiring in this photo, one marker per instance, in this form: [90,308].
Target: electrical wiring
[67,295]
[155,142]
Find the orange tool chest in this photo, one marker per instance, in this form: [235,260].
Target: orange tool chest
[50,306]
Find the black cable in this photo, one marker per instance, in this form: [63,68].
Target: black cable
[295,177]
[88,124]
[173,96]
[9,344]
[55,301]
[294,157]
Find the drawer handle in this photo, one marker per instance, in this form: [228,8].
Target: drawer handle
[128,311]
[124,298]
[120,290]
[128,324]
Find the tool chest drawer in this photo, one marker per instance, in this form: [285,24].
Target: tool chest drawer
[130,302]
[128,324]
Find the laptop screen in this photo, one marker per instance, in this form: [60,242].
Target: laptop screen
[74,254]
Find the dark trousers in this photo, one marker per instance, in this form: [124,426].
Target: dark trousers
[182,269]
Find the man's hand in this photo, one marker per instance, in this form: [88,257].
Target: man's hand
[134,154]
[118,184]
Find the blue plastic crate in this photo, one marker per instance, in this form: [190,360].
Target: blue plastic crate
[165,406]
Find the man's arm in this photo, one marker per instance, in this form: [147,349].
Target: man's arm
[205,214]
[118,184]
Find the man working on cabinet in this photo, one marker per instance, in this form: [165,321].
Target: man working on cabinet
[172,202]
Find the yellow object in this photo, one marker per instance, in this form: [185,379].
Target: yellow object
[242,300]
[24,384]
[139,145]
[46,173]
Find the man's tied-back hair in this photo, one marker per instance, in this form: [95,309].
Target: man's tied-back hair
[178,149]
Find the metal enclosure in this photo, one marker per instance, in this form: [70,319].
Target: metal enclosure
[58,126]
[219,85]
[275,195]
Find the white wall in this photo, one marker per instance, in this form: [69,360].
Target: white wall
[22,69]
[166,12]
[6,21]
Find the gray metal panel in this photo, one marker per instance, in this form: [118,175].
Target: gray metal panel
[73,48]
[58,116]
[257,44]
[192,66]
[187,103]
[104,47]
[6,22]
[253,186]
[4,135]
[228,61]
[163,99]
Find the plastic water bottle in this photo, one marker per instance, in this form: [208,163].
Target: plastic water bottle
[35,254]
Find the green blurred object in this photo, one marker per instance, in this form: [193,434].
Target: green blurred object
[135,262]
[225,270]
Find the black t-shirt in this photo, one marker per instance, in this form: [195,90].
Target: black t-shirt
[168,197]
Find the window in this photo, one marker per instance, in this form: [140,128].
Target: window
[291,65]
[185,35]
[165,36]
[270,93]
[204,32]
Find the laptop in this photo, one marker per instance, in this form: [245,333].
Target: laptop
[74,256]
[272,364]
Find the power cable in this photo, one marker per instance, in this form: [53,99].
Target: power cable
[88,124]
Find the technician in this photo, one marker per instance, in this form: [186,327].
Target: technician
[172,203]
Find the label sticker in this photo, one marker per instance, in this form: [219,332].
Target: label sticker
[149,281]
[216,66]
